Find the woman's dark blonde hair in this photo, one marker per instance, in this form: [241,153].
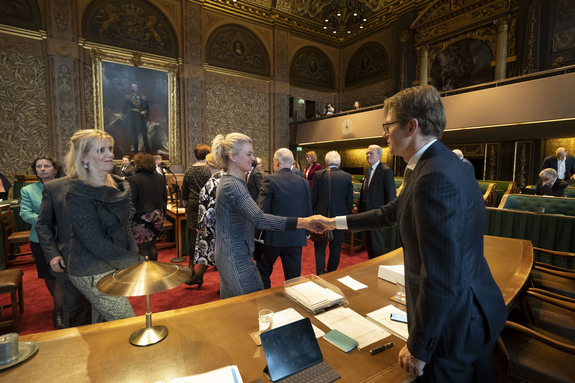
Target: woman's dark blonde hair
[313,156]
[222,147]
[145,161]
[80,144]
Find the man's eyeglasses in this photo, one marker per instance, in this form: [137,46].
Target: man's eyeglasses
[386,126]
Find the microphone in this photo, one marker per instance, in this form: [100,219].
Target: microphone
[164,166]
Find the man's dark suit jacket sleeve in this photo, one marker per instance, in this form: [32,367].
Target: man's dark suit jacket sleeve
[266,195]
[46,226]
[389,185]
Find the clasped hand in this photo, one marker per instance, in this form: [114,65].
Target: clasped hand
[316,223]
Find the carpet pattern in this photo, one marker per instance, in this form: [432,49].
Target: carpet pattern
[37,315]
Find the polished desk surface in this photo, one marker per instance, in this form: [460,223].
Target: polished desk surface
[212,335]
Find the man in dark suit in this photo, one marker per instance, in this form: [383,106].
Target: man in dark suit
[126,169]
[562,162]
[468,163]
[54,230]
[549,184]
[455,309]
[378,189]
[283,193]
[254,180]
[341,203]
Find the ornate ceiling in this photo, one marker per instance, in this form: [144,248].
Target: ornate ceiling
[356,18]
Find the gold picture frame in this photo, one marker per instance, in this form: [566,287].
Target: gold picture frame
[135,101]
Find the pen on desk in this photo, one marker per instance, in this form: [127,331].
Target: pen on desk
[377,350]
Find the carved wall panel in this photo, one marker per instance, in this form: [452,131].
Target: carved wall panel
[282,135]
[61,19]
[235,47]
[523,152]
[88,73]
[229,108]
[193,34]
[310,67]
[23,115]
[65,113]
[193,125]
[369,63]
[492,161]
[21,13]
[132,25]
[282,56]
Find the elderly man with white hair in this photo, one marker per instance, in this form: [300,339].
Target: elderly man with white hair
[283,193]
[335,183]
[549,184]
[459,154]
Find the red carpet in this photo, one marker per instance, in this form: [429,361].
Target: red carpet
[37,315]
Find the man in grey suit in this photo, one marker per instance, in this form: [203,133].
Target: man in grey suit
[455,309]
[378,189]
[54,230]
[283,193]
[341,203]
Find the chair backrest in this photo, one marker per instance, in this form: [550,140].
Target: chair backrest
[570,192]
[7,221]
[489,190]
[534,203]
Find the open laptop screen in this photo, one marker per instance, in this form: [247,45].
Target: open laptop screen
[290,348]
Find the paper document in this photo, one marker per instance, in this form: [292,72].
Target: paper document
[392,273]
[347,321]
[382,316]
[313,296]
[352,283]
[289,316]
[227,374]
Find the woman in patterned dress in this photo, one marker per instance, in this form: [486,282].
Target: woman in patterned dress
[194,180]
[150,198]
[236,216]
[206,236]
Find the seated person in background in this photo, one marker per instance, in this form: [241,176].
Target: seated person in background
[126,169]
[549,184]
[5,186]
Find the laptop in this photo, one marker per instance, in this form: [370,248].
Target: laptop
[293,355]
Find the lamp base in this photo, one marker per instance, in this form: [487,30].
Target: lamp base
[178,259]
[148,336]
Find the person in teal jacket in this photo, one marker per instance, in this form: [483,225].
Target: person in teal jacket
[47,169]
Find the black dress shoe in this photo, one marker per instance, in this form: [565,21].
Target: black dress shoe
[58,319]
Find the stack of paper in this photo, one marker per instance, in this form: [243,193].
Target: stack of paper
[352,324]
[382,316]
[313,296]
[392,273]
[229,374]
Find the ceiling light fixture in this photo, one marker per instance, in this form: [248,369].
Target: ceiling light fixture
[344,16]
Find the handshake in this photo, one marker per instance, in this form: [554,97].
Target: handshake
[316,223]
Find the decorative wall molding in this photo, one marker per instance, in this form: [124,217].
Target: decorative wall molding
[369,63]
[310,67]
[235,47]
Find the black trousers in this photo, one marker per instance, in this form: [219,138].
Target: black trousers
[291,262]
[77,309]
[334,253]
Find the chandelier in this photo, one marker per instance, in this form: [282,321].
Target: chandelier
[344,16]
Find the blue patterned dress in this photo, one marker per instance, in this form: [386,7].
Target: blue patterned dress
[236,216]
[206,237]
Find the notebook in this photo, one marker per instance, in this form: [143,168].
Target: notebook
[293,354]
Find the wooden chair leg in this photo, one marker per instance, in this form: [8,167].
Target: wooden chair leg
[21,297]
[15,311]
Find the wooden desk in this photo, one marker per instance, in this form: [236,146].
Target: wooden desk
[179,217]
[205,337]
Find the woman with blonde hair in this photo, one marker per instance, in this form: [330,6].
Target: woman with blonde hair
[236,216]
[311,167]
[100,206]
